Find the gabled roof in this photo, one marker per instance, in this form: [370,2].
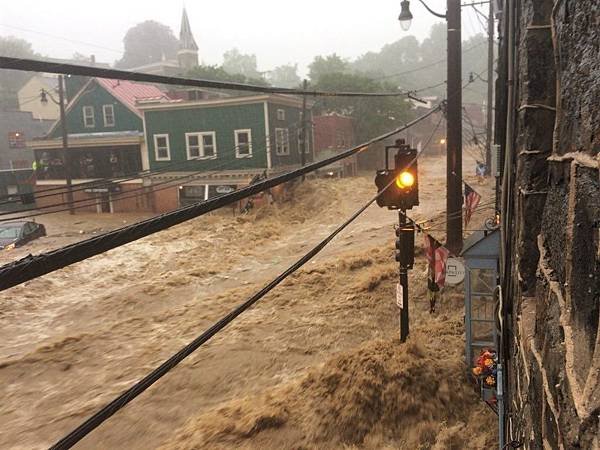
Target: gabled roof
[474,244]
[128,92]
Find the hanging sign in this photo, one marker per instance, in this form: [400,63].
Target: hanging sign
[455,271]
[225,189]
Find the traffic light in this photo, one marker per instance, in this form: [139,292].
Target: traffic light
[403,190]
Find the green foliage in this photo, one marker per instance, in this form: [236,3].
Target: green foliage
[148,42]
[218,73]
[13,80]
[393,61]
[374,115]
[285,76]
[326,65]
[235,62]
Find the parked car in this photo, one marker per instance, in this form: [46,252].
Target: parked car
[15,234]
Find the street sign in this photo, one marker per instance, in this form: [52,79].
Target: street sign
[225,189]
[455,271]
[399,296]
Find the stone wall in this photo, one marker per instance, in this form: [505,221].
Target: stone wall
[554,381]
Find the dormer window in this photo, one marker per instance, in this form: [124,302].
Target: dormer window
[108,111]
[88,117]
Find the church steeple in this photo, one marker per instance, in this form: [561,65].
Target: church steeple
[187,55]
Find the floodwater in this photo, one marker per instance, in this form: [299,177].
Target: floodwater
[315,364]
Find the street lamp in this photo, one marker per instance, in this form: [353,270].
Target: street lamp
[453,117]
[405,16]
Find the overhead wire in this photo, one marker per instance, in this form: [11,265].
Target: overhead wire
[32,266]
[138,388]
[113,181]
[427,66]
[28,65]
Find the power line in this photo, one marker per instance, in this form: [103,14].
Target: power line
[122,400]
[32,65]
[427,66]
[108,182]
[122,179]
[73,41]
[32,267]
[138,388]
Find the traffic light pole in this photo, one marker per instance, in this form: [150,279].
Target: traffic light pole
[404,328]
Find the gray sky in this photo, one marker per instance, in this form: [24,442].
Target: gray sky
[277,34]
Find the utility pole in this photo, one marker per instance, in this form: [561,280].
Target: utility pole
[303,127]
[65,142]
[490,93]
[454,132]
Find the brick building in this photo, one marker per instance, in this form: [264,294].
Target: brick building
[333,134]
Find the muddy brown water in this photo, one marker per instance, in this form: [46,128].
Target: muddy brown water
[74,339]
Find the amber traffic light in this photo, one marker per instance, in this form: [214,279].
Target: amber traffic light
[400,185]
[405,180]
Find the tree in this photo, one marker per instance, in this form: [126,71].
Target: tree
[285,76]
[326,65]
[148,42]
[235,62]
[218,73]
[13,80]
[373,115]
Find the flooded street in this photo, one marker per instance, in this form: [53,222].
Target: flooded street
[76,338]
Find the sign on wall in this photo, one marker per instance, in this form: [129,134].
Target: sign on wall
[455,271]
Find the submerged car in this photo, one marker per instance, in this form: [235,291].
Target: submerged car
[15,234]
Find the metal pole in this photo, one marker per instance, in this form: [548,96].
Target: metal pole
[404,328]
[454,138]
[490,93]
[303,129]
[65,142]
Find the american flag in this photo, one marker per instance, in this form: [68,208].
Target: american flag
[472,200]
[437,256]
[441,257]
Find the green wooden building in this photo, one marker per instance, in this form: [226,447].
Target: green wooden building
[213,146]
[105,140]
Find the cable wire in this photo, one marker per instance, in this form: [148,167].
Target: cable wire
[32,65]
[32,266]
[126,397]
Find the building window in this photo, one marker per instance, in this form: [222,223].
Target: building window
[201,145]
[243,143]
[281,114]
[88,117]
[282,141]
[108,111]
[162,151]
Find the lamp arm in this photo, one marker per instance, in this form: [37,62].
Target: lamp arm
[441,16]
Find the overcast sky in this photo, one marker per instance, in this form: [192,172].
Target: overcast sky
[277,34]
